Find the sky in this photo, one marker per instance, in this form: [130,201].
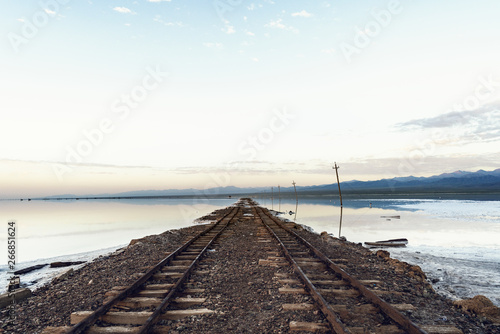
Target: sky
[109,96]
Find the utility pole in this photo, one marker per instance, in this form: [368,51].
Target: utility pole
[340,195]
[272,198]
[279,198]
[296,200]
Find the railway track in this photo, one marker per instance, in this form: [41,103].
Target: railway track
[348,305]
[163,293]
[141,305]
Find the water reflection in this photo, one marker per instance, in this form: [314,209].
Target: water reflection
[52,228]
[446,223]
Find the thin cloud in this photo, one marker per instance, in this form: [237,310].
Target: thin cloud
[50,12]
[480,125]
[253,6]
[427,165]
[123,10]
[229,29]
[302,13]
[168,24]
[379,167]
[278,24]
[486,114]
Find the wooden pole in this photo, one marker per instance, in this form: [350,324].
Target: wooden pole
[296,200]
[340,195]
[279,199]
[272,198]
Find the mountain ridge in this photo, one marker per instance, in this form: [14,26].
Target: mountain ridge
[458,181]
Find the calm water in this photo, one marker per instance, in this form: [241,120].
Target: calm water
[52,228]
[457,242]
[442,223]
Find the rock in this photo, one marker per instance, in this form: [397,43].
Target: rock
[327,237]
[62,277]
[117,252]
[481,306]
[416,272]
[383,254]
[135,242]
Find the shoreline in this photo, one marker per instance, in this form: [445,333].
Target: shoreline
[455,277]
[36,279]
[487,195]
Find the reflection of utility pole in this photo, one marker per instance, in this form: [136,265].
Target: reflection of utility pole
[272,198]
[296,200]
[279,198]
[340,194]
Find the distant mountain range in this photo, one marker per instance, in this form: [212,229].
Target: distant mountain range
[456,182]
[459,181]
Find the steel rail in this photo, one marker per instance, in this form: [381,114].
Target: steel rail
[336,325]
[405,323]
[84,324]
[166,301]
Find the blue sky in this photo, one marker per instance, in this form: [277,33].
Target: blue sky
[122,95]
